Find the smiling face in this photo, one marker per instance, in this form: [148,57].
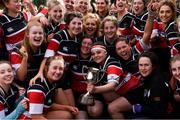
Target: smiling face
[86,46]
[55,70]
[69,4]
[165,14]
[109,29]
[90,26]
[145,66]
[175,68]
[123,50]
[121,5]
[14,6]
[36,36]
[113,10]
[138,7]
[55,13]
[6,74]
[82,6]
[75,26]
[101,5]
[98,53]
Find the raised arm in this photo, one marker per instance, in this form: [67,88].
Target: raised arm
[150,22]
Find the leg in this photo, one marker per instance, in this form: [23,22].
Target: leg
[82,115]
[118,106]
[59,114]
[70,97]
[110,96]
[96,110]
[60,97]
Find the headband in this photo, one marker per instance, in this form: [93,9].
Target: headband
[98,47]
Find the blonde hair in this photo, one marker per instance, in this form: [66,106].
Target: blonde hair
[94,17]
[111,18]
[50,59]
[52,3]
[173,79]
[175,58]
[26,43]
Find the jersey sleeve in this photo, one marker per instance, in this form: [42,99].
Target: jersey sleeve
[15,60]
[2,112]
[114,71]
[53,46]
[172,34]
[43,12]
[27,16]
[125,25]
[141,46]
[36,98]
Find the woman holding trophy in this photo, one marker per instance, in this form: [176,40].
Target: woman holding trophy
[107,77]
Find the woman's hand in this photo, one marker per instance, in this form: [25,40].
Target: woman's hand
[153,7]
[44,20]
[33,80]
[50,36]
[90,88]
[23,52]
[24,103]
[21,91]
[73,110]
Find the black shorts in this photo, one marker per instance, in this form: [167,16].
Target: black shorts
[135,96]
[65,81]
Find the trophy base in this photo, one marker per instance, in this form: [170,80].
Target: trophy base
[87,100]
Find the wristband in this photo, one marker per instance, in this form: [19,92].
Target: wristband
[136,108]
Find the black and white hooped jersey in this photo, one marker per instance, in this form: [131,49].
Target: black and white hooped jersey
[53,27]
[143,16]
[110,46]
[63,44]
[79,70]
[14,28]
[34,61]
[131,25]
[7,101]
[41,96]
[110,71]
[168,35]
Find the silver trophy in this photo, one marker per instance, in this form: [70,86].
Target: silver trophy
[92,77]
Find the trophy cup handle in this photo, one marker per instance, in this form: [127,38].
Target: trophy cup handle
[88,93]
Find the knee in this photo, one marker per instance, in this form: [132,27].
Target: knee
[67,115]
[96,110]
[112,108]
